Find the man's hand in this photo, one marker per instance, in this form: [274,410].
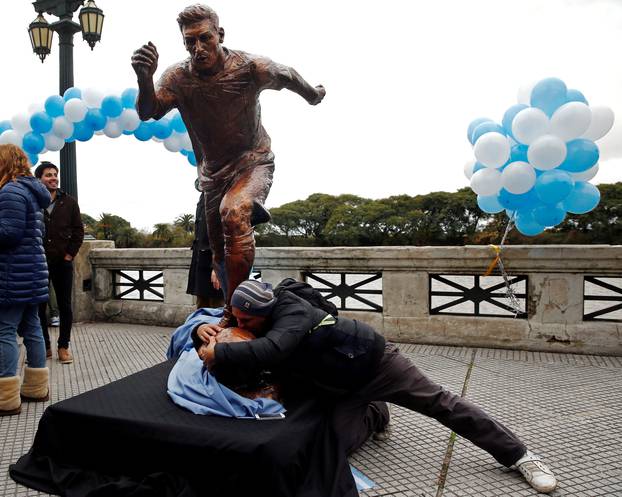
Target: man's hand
[319,95]
[207,353]
[68,258]
[207,332]
[215,282]
[145,61]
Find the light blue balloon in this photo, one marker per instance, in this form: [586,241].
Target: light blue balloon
[508,117]
[549,215]
[70,93]
[177,123]
[126,132]
[487,127]
[128,98]
[518,152]
[474,124]
[95,119]
[33,158]
[575,96]
[580,156]
[33,143]
[184,152]
[583,198]
[82,131]
[526,224]
[489,204]
[161,129]
[514,201]
[4,125]
[477,166]
[143,132]
[548,95]
[55,106]
[111,106]
[41,122]
[553,186]
[192,159]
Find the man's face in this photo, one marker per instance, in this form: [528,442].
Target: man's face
[254,324]
[202,40]
[50,179]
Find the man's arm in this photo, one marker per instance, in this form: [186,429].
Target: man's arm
[151,103]
[273,76]
[77,233]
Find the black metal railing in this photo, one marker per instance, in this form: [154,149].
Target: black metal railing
[138,284]
[474,295]
[603,296]
[348,291]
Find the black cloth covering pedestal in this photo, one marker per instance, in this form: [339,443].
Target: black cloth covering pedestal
[129,439]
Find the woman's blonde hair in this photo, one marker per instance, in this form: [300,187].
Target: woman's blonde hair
[13,163]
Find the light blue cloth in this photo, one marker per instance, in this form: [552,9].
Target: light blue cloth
[191,386]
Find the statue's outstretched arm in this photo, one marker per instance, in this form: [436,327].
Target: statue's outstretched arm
[274,76]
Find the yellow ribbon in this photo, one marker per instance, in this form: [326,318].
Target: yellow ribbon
[491,267]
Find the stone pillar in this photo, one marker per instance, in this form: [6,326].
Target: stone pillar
[405,294]
[84,280]
[556,298]
[275,276]
[175,284]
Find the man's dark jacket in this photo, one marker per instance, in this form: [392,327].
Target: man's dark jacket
[337,358]
[64,228]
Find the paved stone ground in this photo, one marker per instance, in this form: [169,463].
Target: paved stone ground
[566,407]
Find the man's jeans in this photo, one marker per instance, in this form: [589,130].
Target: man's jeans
[61,276]
[22,320]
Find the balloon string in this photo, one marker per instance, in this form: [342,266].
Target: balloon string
[498,261]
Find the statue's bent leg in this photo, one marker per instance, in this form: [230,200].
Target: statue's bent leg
[250,188]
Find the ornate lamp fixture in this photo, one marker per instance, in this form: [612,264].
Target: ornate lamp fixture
[91,22]
[40,37]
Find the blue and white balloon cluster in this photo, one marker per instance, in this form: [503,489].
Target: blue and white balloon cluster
[537,163]
[81,114]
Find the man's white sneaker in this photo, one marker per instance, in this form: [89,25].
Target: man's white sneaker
[55,321]
[537,474]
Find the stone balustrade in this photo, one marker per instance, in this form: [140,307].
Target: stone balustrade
[555,286]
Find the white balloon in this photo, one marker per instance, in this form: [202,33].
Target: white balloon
[36,107]
[186,143]
[518,177]
[21,123]
[92,98]
[602,121]
[547,152]
[492,149]
[53,142]
[486,181]
[129,119]
[75,110]
[468,168]
[113,129]
[62,127]
[173,143]
[11,136]
[571,120]
[585,175]
[530,124]
[524,93]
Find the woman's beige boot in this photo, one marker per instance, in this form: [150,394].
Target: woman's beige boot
[36,385]
[10,402]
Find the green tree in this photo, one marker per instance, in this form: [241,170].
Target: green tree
[185,222]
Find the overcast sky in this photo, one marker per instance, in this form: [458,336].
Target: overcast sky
[403,81]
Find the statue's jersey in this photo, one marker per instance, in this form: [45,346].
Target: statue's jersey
[222,111]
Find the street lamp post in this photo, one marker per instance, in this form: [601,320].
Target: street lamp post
[91,21]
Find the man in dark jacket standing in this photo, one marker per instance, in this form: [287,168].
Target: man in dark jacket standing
[63,238]
[350,360]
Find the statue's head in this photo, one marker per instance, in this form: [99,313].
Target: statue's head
[203,36]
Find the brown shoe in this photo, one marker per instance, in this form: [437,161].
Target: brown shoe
[64,356]
[48,352]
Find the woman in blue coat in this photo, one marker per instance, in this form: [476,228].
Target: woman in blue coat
[23,280]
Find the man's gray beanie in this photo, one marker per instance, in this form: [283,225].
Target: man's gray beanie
[254,298]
